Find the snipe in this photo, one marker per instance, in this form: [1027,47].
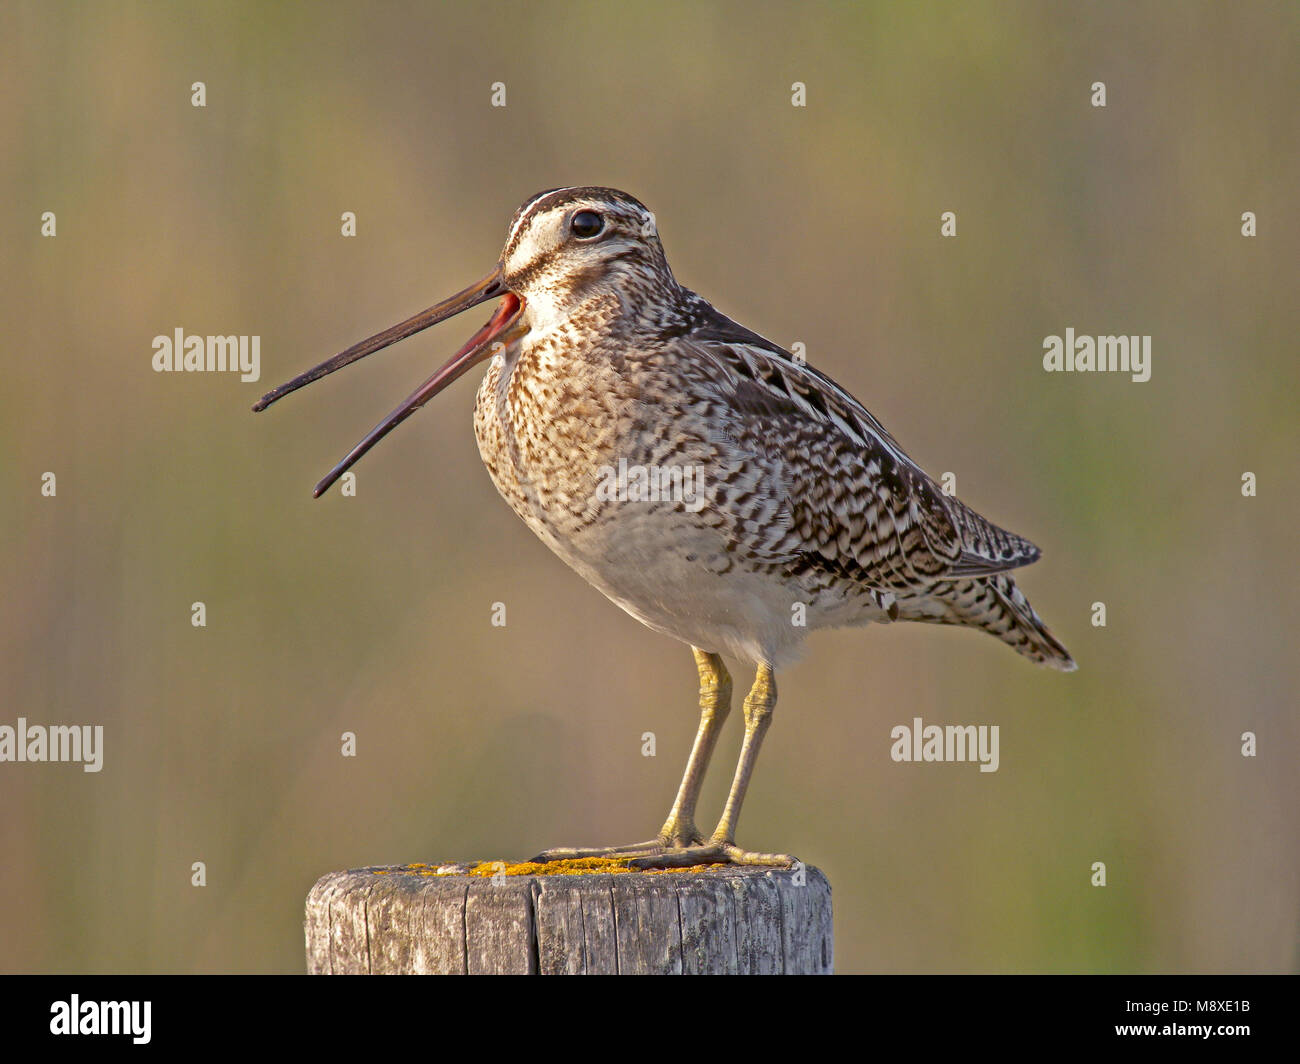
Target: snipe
[706,481]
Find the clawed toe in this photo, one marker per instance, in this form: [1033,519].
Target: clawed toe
[565,853]
[658,854]
[710,853]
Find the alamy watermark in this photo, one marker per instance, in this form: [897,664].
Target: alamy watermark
[1098,354]
[654,483]
[952,742]
[77,1017]
[211,354]
[58,742]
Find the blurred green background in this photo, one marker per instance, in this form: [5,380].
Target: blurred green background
[818,225]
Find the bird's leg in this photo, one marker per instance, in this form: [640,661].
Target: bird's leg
[679,829]
[721,846]
[759,704]
[715,705]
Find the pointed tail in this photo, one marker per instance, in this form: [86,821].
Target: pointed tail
[995,605]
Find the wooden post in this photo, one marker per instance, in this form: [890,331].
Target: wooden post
[528,919]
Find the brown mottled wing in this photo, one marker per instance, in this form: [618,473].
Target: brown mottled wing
[850,501]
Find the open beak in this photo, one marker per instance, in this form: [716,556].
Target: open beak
[484,343]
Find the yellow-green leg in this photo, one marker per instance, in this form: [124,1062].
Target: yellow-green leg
[679,843]
[715,706]
[721,845]
[679,829]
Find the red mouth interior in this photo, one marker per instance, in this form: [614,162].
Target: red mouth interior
[506,312]
[475,348]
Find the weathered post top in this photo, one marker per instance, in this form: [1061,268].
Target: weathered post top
[569,917]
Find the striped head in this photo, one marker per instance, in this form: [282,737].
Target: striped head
[568,248]
[568,245]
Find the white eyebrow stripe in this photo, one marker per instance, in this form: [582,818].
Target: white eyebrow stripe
[523,212]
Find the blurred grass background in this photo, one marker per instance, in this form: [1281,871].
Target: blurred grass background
[818,225]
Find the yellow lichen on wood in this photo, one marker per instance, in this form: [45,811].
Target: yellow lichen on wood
[581,866]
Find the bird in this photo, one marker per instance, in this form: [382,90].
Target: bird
[720,490]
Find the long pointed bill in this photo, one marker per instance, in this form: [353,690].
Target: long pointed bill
[477,293]
[481,345]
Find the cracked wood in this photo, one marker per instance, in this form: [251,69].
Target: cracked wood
[721,920]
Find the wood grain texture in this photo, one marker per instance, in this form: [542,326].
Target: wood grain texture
[394,920]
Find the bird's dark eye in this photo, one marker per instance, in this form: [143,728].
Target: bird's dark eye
[586,224]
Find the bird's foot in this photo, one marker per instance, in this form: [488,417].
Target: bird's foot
[568,853]
[679,833]
[656,853]
[712,852]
